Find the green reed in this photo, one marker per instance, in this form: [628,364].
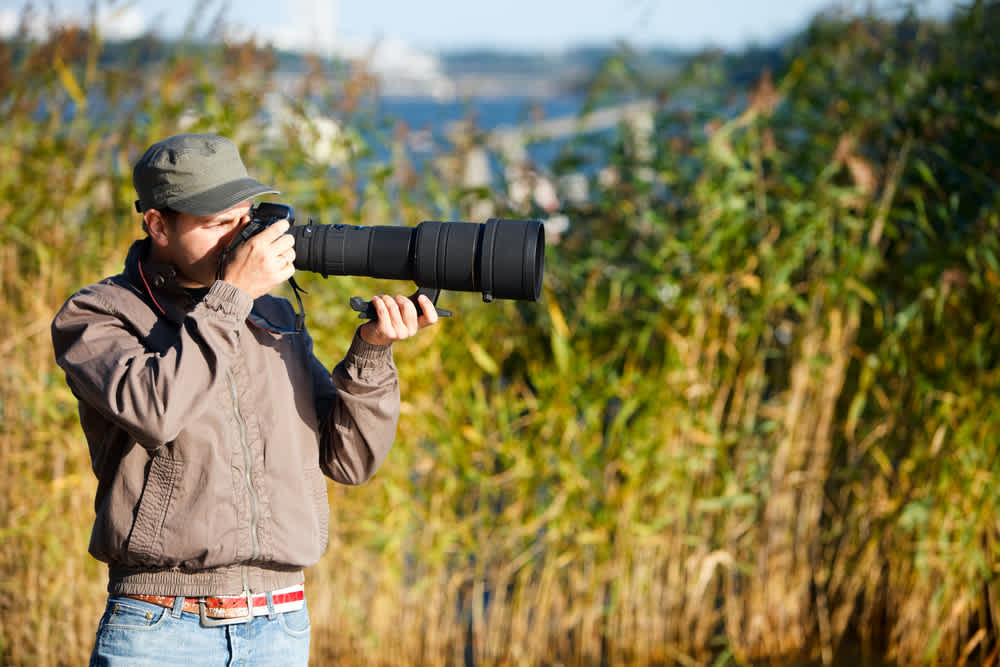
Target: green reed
[753,419]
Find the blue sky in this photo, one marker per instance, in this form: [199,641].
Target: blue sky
[436,24]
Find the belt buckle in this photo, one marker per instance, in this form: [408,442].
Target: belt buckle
[217,622]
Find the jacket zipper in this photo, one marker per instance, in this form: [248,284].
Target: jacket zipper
[255,543]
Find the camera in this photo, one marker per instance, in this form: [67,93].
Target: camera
[501,259]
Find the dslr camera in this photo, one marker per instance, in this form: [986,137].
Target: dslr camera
[501,259]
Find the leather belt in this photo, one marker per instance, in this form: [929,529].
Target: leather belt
[226,609]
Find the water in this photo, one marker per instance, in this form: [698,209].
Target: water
[488,113]
[429,120]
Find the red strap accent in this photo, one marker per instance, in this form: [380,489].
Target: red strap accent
[142,274]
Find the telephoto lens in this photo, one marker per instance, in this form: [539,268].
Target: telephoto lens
[502,259]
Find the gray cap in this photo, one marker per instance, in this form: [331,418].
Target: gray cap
[199,174]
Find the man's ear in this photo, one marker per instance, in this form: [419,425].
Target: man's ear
[156,226]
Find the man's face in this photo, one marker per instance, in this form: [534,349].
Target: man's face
[194,244]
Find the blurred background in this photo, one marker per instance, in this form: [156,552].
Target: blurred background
[754,417]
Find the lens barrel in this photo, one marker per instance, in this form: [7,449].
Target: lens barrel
[503,259]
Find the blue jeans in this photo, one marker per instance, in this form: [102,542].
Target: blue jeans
[137,633]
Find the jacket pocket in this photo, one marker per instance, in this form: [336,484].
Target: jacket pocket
[145,541]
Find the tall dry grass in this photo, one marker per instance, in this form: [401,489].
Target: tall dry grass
[753,420]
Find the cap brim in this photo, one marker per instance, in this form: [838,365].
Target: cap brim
[220,198]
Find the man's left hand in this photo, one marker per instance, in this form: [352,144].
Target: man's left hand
[397,319]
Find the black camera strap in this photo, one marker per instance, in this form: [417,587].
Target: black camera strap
[262,322]
[251,228]
[300,316]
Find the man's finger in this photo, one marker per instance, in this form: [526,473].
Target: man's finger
[272,232]
[283,242]
[396,316]
[429,313]
[388,320]
[408,314]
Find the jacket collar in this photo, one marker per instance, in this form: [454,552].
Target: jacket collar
[157,281]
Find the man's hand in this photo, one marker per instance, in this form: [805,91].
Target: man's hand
[262,262]
[397,319]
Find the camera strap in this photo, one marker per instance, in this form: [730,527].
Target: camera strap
[264,323]
[300,316]
[251,228]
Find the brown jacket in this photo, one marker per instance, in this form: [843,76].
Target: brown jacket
[209,434]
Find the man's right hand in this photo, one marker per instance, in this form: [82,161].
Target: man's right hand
[263,262]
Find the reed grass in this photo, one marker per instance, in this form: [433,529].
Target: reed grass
[752,421]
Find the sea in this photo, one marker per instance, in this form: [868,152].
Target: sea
[431,120]
[488,113]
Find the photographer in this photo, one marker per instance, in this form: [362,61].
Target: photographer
[211,423]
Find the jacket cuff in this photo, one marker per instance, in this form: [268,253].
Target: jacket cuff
[229,300]
[363,353]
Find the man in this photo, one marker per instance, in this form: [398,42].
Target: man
[211,423]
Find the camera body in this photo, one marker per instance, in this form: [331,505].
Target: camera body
[266,214]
